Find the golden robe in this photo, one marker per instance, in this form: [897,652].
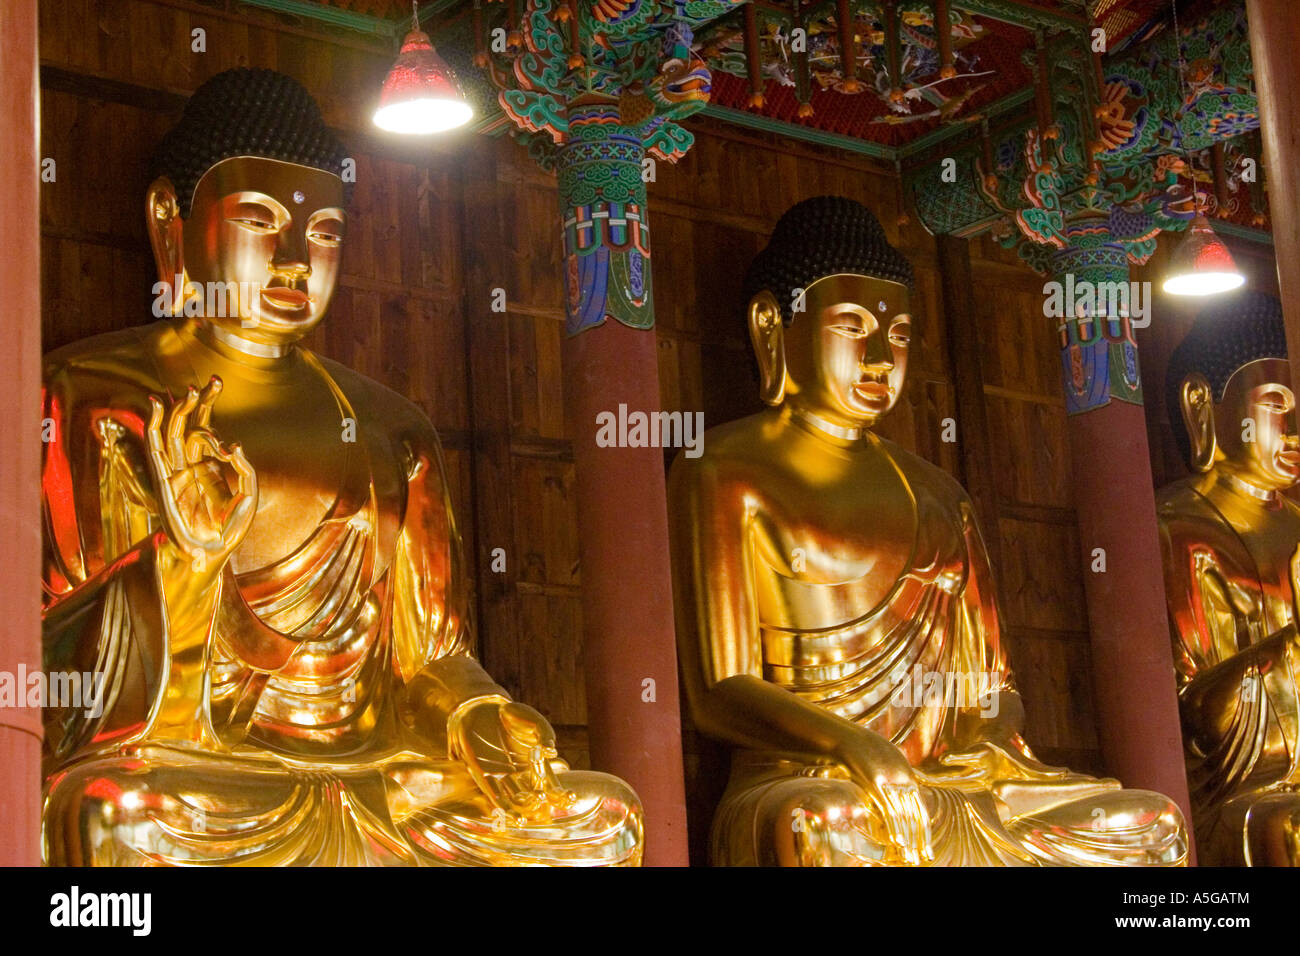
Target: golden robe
[286,721]
[920,667]
[1243,764]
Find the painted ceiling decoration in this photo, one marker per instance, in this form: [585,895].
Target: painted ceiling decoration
[868,49]
[876,72]
[1123,128]
[1010,90]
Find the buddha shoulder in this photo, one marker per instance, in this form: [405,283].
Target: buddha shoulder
[1191,523]
[385,416]
[755,453]
[1184,502]
[945,515]
[111,359]
[928,479]
[743,452]
[1180,497]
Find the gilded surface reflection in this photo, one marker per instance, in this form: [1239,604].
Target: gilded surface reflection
[836,612]
[255,546]
[1231,545]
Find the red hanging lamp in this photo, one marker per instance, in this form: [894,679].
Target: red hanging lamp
[1201,264]
[421,94]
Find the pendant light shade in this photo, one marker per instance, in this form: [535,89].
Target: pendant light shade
[421,94]
[1202,264]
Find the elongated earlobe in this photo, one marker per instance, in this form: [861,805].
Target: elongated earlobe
[166,231]
[766,334]
[1196,402]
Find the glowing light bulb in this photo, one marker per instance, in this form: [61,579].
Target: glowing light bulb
[421,94]
[1202,264]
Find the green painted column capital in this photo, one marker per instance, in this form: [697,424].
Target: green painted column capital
[606,230]
[599,99]
[1093,302]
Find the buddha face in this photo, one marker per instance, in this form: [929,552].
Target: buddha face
[844,357]
[1251,432]
[1259,392]
[268,233]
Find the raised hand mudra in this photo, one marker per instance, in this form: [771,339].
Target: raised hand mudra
[203,516]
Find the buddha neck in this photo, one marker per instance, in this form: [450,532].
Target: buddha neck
[247,346]
[229,347]
[825,429]
[1242,490]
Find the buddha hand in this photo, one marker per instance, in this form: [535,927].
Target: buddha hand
[203,517]
[508,748]
[880,768]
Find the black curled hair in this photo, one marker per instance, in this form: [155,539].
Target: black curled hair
[819,237]
[246,112]
[1233,330]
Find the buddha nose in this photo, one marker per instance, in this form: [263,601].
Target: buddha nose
[290,259]
[876,355]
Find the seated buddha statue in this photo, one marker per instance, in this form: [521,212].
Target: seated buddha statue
[1230,539]
[254,546]
[836,613]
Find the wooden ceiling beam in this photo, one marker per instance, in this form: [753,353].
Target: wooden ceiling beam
[1029,14]
[1024,13]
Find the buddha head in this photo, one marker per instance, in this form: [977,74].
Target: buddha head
[1229,394]
[828,313]
[246,207]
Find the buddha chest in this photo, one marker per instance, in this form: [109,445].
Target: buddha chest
[318,461]
[305,474]
[832,542]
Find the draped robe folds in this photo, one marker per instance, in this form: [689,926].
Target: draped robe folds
[281,727]
[921,668]
[1243,770]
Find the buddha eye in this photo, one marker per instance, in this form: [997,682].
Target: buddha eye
[258,223]
[255,211]
[1275,402]
[901,335]
[850,331]
[325,235]
[325,228]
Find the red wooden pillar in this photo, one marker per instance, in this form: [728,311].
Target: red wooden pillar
[1132,656]
[1275,56]
[610,358]
[627,608]
[1128,622]
[20,325]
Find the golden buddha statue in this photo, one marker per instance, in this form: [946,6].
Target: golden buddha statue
[836,614]
[1231,544]
[254,547]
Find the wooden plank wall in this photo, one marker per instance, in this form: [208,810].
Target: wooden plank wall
[1040,574]
[434,229]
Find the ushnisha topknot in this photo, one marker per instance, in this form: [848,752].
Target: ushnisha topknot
[819,237]
[246,112]
[1234,330]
